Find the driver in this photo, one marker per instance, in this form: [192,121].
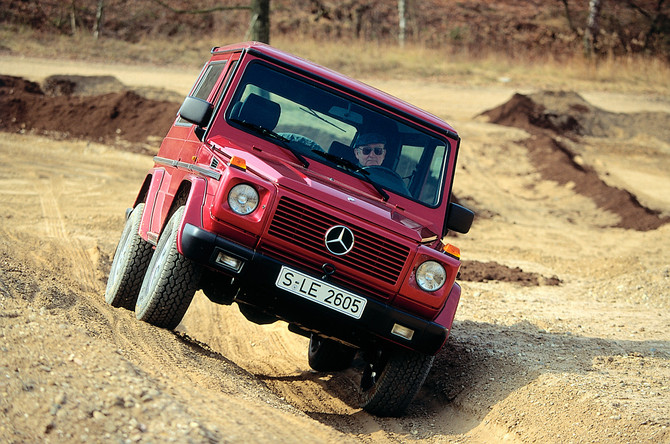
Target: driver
[370,149]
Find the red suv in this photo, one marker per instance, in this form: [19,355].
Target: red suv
[304,196]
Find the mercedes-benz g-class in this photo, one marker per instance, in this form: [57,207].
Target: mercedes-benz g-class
[308,197]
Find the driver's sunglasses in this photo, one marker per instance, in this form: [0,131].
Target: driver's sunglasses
[367,150]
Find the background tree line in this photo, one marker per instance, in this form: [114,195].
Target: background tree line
[512,27]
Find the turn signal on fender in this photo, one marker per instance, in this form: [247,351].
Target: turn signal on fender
[238,162]
[452,251]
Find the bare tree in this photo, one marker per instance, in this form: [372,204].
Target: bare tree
[200,11]
[97,28]
[259,28]
[592,27]
[656,18]
[259,25]
[73,17]
[567,14]
[401,22]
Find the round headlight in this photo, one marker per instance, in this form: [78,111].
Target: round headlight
[243,199]
[431,276]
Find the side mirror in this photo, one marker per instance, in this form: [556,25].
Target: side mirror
[196,111]
[459,218]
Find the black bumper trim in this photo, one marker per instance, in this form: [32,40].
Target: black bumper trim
[257,279]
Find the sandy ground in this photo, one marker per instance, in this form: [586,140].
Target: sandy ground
[584,361]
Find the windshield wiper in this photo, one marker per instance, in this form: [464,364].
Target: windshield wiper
[313,113]
[349,165]
[269,133]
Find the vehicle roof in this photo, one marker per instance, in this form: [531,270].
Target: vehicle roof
[333,77]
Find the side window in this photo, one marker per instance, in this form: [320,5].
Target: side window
[431,188]
[421,164]
[205,86]
[208,80]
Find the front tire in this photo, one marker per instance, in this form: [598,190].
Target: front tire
[326,355]
[170,282]
[392,379]
[130,263]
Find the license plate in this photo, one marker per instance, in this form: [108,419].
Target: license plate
[321,292]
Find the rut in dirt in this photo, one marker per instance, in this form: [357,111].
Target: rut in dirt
[550,116]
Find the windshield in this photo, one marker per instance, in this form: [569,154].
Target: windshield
[315,122]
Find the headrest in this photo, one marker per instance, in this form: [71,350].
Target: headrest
[260,111]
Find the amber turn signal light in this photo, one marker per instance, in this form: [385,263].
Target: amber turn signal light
[238,162]
[452,250]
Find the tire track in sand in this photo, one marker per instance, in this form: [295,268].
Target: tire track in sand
[75,257]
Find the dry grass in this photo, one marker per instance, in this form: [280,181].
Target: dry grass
[364,60]
[635,74]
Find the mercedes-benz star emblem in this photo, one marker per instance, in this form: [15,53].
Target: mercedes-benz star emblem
[339,240]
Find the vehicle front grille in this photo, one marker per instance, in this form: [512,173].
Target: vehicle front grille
[306,227]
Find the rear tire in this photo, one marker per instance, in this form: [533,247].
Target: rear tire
[326,355]
[130,263]
[170,282]
[392,379]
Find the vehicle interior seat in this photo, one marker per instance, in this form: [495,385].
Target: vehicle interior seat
[258,111]
[344,151]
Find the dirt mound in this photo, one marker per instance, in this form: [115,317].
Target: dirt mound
[568,114]
[75,85]
[474,271]
[67,85]
[109,118]
[555,118]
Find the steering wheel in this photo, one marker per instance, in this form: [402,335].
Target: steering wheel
[387,178]
[378,170]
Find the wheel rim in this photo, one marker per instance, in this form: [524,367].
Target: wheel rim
[156,267]
[369,378]
[372,372]
[314,344]
[120,255]
[155,272]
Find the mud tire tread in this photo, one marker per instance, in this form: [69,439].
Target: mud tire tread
[169,295]
[401,379]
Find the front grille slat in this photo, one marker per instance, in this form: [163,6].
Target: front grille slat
[306,227]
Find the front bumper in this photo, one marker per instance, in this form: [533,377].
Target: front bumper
[257,277]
